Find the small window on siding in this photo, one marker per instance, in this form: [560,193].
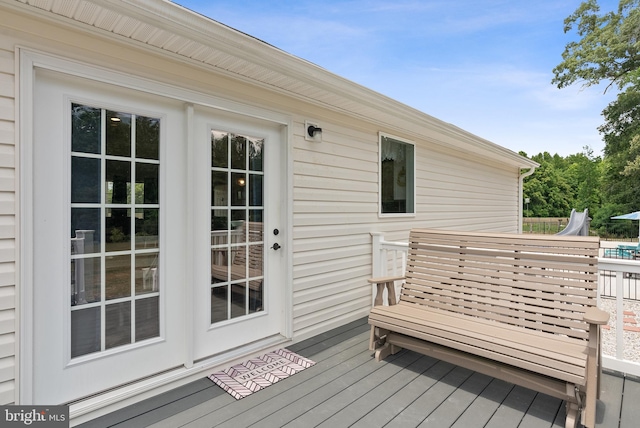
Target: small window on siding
[397,176]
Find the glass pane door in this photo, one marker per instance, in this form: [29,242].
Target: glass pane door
[108,237]
[115,251]
[237,213]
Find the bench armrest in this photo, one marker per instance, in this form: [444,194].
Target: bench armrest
[382,282]
[597,316]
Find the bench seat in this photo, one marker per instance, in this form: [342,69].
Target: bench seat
[550,355]
[518,308]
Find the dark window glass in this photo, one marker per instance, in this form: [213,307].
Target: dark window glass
[85,129]
[219,149]
[397,177]
[147,318]
[118,134]
[147,138]
[85,180]
[117,324]
[85,331]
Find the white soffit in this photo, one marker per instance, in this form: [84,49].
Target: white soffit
[172,28]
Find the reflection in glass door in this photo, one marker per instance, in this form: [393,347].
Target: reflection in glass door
[115,170]
[237,213]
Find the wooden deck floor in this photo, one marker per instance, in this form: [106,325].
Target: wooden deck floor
[347,388]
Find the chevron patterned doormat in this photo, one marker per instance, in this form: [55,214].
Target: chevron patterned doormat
[256,374]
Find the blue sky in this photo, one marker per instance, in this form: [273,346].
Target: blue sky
[483,65]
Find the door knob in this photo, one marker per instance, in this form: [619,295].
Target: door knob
[276,246]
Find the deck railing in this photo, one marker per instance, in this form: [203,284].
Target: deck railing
[617,294]
[389,259]
[620,338]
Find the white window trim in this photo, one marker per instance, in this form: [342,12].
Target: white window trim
[415,204]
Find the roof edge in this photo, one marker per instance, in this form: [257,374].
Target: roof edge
[206,31]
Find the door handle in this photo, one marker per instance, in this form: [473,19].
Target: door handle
[276,246]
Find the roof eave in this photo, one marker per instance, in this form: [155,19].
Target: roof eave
[270,67]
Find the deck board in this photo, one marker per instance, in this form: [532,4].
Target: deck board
[630,414]
[403,398]
[319,398]
[342,393]
[345,351]
[431,399]
[347,387]
[542,412]
[485,405]
[131,415]
[609,406]
[376,398]
[293,402]
[513,408]
[209,397]
[458,402]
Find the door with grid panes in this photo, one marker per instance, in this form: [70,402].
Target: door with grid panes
[109,168]
[239,257]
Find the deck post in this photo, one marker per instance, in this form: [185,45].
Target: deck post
[376,247]
[376,261]
[619,315]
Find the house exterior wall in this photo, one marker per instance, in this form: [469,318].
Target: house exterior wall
[333,184]
[8,223]
[335,207]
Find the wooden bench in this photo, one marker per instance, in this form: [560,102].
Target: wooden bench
[518,308]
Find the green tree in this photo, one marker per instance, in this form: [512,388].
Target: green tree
[609,47]
[583,173]
[606,227]
[560,184]
[549,192]
[609,51]
[621,133]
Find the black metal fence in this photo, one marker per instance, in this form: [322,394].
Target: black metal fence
[630,285]
[544,225]
[630,281]
[615,230]
[618,230]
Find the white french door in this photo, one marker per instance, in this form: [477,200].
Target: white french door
[108,289]
[157,239]
[239,259]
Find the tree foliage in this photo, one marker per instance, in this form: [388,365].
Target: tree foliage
[561,184]
[609,48]
[609,51]
[576,181]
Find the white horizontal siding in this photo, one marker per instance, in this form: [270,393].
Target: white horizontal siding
[7,368]
[7,132]
[7,298]
[6,84]
[7,109]
[7,392]
[7,321]
[335,188]
[7,227]
[335,193]
[335,207]
[7,223]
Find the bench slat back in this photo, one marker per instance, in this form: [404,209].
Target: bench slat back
[256,252]
[541,282]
